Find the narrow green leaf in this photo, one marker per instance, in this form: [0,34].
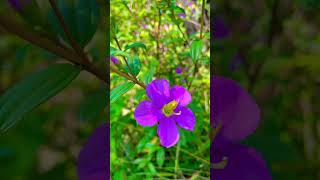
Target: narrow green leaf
[135,45]
[93,105]
[152,168]
[114,28]
[195,50]
[117,52]
[117,92]
[34,90]
[160,157]
[148,76]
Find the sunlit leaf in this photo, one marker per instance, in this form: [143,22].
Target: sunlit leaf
[135,45]
[160,157]
[152,168]
[117,92]
[195,49]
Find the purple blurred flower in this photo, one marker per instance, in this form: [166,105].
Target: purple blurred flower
[114,60]
[178,70]
[166,107]
[220,30]
[235,115]
[182,15]
[93,160]
[18,4]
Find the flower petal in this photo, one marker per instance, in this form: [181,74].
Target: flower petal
[186,119]
[181,95]
[93,160]
[159,92]
[168,132]
[243,163]
[234,108]
[145,114]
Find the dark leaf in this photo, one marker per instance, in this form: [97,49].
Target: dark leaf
[34,90]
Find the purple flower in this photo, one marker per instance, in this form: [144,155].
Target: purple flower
[167,108]
[146,26]
[178,70]
[182,15]
[93,160]
[18,4]
[220,30]
[235,115]
[114,60]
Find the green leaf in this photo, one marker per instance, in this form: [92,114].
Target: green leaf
[80,16]
[152,168]
[93,105]
[195,50]
[160,157]
[114,28]
[117,52]
[135,45]
[87,17]
[34,90]
[178,10]
[134,64]
[175,10]
[148,76]
[117,92]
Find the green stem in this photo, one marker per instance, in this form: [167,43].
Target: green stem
[130,70]
[50,45]
[194,156]
[202,19]
[176,163]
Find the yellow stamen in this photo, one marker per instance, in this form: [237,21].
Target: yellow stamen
[169,108]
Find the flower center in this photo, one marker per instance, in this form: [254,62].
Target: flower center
[169,108]
[220,165]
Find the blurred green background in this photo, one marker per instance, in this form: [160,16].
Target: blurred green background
[135,150]
[46,142]
[277,44]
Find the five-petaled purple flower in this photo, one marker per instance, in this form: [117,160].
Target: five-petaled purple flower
[235,115]
[167,108]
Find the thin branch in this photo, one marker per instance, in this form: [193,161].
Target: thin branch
[158,35]
[73,43]
[194,156]
[202,18]
[54,47]
[195,70]
[270,37]
[115,70]
[125,60]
